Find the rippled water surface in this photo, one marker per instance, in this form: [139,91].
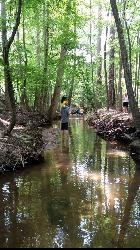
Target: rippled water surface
[86,194]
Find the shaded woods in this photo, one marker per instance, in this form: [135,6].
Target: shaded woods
[81,188]
[72,48]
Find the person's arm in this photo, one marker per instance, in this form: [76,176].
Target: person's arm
[68,110]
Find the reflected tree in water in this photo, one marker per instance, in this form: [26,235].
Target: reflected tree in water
[132,193]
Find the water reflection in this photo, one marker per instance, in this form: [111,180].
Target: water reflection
[86,194]
[130,208]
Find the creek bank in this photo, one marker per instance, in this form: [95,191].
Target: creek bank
[31,135]
[116,126]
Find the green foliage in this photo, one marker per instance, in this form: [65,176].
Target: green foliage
[1,61]
[68,23]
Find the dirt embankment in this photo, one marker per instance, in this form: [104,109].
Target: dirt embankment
[116,126]
[31,135]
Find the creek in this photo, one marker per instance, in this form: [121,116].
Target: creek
[85,194]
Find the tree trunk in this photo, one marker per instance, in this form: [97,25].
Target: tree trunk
[6,44]
[38,49]
[137,68]
[120,86]
[99,57]
[20,71]
[24,99]
[91,58]
[111,69]
[57,89]
[128,33]
[10,92]
[138,81]
[45,87]
[105,71]
[74,66]
[72,80]
[126,66]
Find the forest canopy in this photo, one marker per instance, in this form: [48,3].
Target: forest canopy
[69,47]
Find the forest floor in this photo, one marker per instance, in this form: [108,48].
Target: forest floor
[29,138]
[117,126]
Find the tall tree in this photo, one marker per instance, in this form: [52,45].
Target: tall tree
[57,89]
[137,67]
[112,68]
[91,58]
[72,79]
[6,45]
[99,57]
[105,69]
[24,99]
[65,45]
[120,86]
[126,65]
[74,63]
[45,87]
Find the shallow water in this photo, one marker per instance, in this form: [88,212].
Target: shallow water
[86,194]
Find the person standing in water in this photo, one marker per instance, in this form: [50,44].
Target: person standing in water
[125,103]
[65,112]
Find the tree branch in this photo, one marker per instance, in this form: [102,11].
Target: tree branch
[9,42]
[128,35]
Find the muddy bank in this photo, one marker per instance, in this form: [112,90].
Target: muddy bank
[116,126]
[31,135]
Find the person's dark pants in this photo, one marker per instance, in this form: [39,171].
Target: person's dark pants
[64,126]
[125,104]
